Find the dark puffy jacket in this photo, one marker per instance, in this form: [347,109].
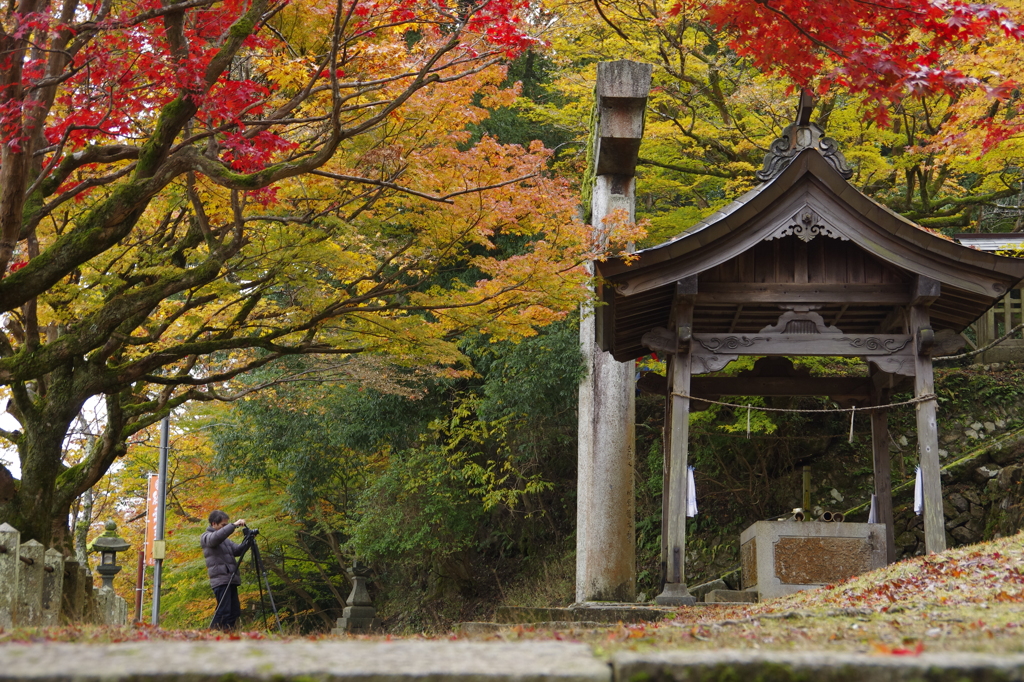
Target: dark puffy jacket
[220,554]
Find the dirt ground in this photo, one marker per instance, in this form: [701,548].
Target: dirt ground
[968,599]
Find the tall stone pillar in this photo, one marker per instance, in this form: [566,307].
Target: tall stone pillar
[605,533]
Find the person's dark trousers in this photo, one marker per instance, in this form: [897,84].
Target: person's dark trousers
[228,608]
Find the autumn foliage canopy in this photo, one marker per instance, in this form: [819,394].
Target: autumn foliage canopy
[191,190]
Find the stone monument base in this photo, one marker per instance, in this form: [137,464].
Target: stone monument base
[357,620]
[675,594]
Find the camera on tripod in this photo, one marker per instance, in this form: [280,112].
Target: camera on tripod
[250,532]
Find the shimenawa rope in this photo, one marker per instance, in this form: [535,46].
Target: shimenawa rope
[913,401]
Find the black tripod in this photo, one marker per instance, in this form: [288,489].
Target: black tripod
[250,543]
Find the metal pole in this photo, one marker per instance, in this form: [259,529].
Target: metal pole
[140,578]
[161,504]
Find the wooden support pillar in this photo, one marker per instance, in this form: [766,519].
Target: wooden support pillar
[927,425]
[989,326]
[883,475]
[678,430]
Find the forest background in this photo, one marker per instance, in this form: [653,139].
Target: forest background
[340,245]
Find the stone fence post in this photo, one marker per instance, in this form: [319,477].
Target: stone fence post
[30,584]
[53,584]
[37,586]
[10,544]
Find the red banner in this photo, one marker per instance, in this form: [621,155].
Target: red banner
[151,511]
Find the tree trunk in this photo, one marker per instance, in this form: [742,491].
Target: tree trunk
[82,530]
[29,510]
[46,410]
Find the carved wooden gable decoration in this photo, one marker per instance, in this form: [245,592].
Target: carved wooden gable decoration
[804,254]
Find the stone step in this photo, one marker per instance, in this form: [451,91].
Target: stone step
[488,628]
[599,612]
[731,597]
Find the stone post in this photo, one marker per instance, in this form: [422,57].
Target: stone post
[73,590]
[605,533]
[10,542]
[30,584]
[53,584]
[90,613]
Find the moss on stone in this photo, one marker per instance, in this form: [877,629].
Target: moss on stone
[589,175]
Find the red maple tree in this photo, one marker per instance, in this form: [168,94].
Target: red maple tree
[163,84]
[882,49]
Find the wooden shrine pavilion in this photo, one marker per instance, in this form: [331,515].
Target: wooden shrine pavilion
[802,265]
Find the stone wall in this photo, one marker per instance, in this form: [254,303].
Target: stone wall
[983,498]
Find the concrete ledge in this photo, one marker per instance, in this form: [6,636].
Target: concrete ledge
[322,661]
[441,661]
[732,665]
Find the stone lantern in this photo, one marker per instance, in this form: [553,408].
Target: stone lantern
[359,616]
[108,545]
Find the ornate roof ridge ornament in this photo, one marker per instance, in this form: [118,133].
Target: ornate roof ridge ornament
[798,136]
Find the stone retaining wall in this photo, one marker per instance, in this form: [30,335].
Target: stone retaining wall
[983,499]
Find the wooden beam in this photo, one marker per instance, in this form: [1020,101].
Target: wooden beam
[752,294]
[735,318]
[604,317]
[839,315]
[686,289]
[928,441]
[780,386]
[686,294]
[844,345]
[926,290]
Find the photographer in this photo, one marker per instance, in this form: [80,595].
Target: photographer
[220,553]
